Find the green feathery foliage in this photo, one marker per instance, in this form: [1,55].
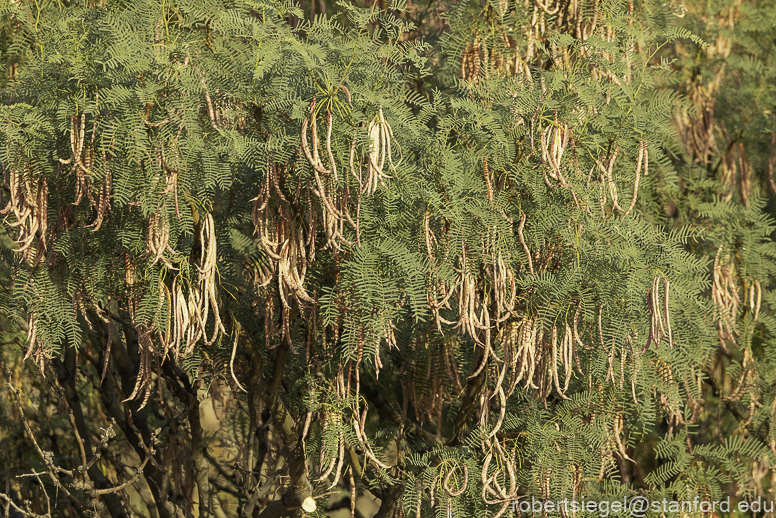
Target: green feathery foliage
[529,256]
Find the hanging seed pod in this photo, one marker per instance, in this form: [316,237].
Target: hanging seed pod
[522,242]
[289,246]
[554,140]
[158,241]
[335,201]
[554,359]
[618,430]
[380,138]
[606,166]
[192,303]
[144,375]
[164,318]
[358,427]
[724,294]
[103,205]
[666,290]
[207,279]
[492,492]
[642,159]
[447,485]
[32,332]
[29,206]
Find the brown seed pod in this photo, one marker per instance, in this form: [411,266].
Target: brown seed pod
[724,294]
[446,485]
[29,206]
[642,159]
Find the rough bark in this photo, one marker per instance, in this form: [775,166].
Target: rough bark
[299,487]
[66,375]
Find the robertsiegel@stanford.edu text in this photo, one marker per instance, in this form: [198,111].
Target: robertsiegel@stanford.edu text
[638,506]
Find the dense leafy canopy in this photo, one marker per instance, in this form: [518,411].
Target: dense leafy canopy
[446,255]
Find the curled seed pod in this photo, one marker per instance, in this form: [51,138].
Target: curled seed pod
[448,487]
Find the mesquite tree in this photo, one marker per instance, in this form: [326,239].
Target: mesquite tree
[445,257]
